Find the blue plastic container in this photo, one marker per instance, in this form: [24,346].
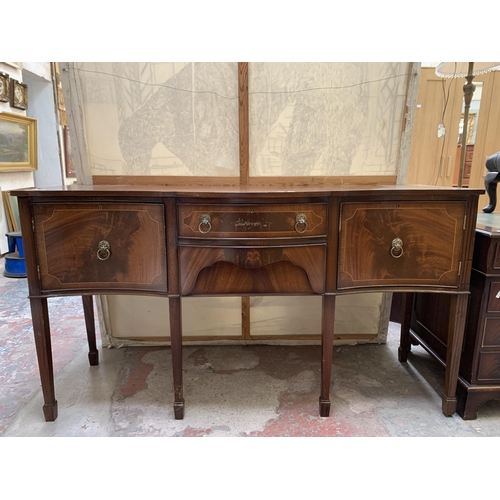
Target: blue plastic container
[15,242]
[15,266]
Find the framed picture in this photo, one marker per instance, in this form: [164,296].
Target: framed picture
[11,210]
[18,143]
[4,87]
[18,94]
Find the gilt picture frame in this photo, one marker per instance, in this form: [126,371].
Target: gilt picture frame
[18,143]
[18,94]
[4,87]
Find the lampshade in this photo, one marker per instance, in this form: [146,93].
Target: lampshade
[460,69]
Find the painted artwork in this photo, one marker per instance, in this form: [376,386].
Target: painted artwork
[325,118]
[181,119]
[14,145]
[161,118]
[18,143]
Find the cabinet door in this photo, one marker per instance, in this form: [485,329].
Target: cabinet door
[101,246]
[401,244]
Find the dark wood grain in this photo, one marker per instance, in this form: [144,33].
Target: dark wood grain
[68,239]
[489,367]
[30,247]
[176,348]
[327,330]
[41,330]
[405,341]
[349,191]
[152,233]
[456,328]
[212,270]
[494,297]
[88,311]
[491,333]
[253,221]
[432,236]
[172,258]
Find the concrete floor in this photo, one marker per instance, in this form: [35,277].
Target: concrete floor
[229,390]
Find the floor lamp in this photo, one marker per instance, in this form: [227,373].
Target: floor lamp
[467,71]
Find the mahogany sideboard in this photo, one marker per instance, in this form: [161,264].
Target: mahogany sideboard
[181,242]
[479,373]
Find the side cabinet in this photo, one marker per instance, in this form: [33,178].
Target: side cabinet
[479,375]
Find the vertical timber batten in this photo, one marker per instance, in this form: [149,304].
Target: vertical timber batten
[243,123]
[244,168]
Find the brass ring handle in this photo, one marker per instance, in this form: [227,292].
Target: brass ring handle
[397,248]
[205,221]
[301,220]
[103,251]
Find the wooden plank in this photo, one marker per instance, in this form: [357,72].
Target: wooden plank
[291,181]
[245,317]
[211,338]
[243,123]
[9,212]
[439,102]
[282,181]
[164,180]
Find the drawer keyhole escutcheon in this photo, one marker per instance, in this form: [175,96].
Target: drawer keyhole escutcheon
[301,221]
[103,251]
[397,248]
[205,224]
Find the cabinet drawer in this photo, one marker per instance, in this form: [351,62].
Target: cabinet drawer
[252,221]
[489,367]
[252,270]
[491,333]
[108,246]
[496,257]
[494,297]
[400,244]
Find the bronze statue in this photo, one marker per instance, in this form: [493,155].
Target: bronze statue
[491,180]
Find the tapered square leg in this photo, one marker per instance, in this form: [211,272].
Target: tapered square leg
[176,348]
[88,311]
[50,412]
[405,343]
[448,405]
[327,328]
[456,327]
[41,330]
[324,407]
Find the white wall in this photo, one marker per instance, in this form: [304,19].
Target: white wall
[40,106]
[11,180]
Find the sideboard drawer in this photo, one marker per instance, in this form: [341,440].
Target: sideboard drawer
[400,244]
[101,246]
[292,269]
[494,297]
[491,333]
[252,221]
[489,367]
